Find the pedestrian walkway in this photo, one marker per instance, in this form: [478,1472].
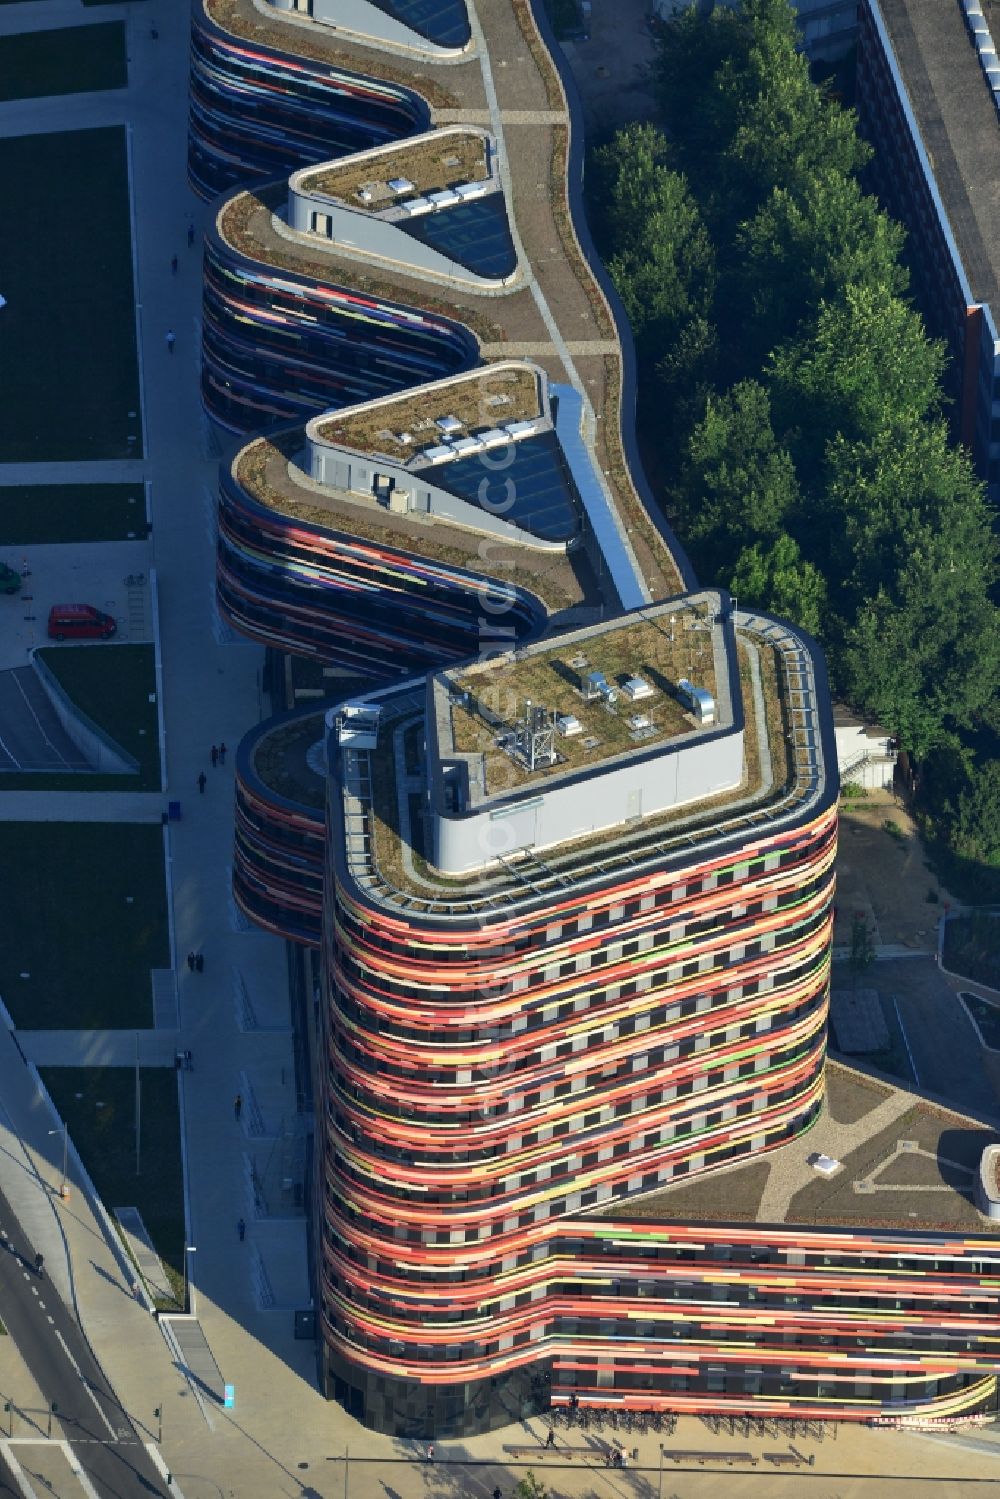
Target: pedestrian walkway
[143,1251]
[103,471]
[98,1048]
[83,806]
[196,1358]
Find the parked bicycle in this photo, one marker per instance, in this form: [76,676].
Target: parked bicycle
[135,580]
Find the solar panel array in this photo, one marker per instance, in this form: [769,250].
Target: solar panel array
[476,234]
[982,38]
[444,22]
[533,490]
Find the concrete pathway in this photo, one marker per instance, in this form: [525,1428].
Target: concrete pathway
[838,1140]
[103,471]
[99,1048]
[82,806]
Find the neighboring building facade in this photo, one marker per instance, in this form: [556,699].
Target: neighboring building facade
[927,102]
[866,753]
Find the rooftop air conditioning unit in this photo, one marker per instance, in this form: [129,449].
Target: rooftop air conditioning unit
[440,454]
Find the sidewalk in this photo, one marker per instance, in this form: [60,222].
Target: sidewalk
[83,806]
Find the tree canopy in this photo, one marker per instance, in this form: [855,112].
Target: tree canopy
[789,393]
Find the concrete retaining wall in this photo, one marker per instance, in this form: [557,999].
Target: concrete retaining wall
[100,749]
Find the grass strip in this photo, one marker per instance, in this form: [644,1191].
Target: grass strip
[98,1105]
[69,386]
[83,920]
[55,514]
[66,60]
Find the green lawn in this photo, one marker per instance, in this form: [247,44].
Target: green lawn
[84,915]
[68,60]
[98,1105]
[48,514]
[113,687]
[69,385]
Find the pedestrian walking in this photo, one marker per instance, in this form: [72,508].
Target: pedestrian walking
[241,1229]
[215,755]
[550,1440]
[154,33]
[190,235]
[171,340]
[238,1106]
[188,1062]
[498,1492]
[39,1265]
[222,752]
[199,962]
[430,1453]
[202,780]
[173,264]
[191,961]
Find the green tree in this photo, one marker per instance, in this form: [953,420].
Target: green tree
[529,1487]
[737,485]
[923,654]
[659,253]
[700,115]
[975,830]
[777,578]
[788,127]
[886,493]
[862,953]
[673,399]
[736,95]
[803,247]
[865,366]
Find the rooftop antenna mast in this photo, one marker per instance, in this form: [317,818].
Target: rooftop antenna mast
[534,736]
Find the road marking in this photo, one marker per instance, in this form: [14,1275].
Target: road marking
[153,1452]
[51,1320]
[42,1305]
[97,1404]
[74,1462]
[34,1290]
[17,1470]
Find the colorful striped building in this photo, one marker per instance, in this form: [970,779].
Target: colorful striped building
[577,1138]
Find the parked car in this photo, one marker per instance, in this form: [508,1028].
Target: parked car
[10,581]
[80,622]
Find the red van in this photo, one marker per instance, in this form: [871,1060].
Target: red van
[80,622]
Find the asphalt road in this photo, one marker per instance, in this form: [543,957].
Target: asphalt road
[57,1355]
